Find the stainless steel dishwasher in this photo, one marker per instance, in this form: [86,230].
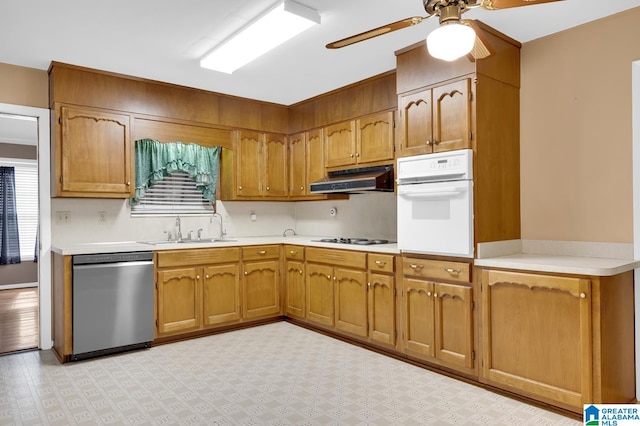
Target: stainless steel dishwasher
[112,303]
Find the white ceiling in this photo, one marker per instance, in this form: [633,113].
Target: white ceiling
[164,39]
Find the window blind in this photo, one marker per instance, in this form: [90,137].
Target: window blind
[26,180]
[176,193]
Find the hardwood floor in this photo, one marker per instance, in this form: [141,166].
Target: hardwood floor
[18,319]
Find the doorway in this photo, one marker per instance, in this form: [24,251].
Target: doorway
[24,300]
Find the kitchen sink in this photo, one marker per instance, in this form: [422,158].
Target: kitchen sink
[203,240]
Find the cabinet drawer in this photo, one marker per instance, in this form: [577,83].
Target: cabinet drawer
[171,258]
[436,269]
[381,263]
[294,252]
[260,252]
[354,259]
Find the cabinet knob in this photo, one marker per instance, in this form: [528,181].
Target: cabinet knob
[435,142]
[128,183]
[300,271]
[351,155]
[240,187]
[429,293]
[583,295]
[328,277]
[435,294]
[293,252]
[335,278]
[267,188]
[368,285]
[428,142]
[207,276]
[197,277]
[246,273]
[302,188]
[357,154]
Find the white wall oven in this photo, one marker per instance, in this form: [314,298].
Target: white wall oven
[435,203]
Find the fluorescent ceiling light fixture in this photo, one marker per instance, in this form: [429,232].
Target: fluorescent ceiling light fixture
[280,23]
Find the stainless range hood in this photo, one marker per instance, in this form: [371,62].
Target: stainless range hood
[353,181]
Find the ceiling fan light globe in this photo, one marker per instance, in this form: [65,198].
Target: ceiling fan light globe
[451,41]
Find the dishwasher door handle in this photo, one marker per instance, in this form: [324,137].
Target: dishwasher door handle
[112,265]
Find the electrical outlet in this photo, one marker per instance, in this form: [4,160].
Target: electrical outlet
[253,216]
[102,217]
[63,217]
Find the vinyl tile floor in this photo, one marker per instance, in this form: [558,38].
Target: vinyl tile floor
[276,374]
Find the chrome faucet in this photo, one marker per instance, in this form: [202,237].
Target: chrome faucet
[179,230]
[284,234]
[222,233]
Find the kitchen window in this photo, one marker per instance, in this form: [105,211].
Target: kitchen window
[26,183]
[174,178]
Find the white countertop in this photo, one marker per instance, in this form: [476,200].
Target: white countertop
[126,246]
[580,265]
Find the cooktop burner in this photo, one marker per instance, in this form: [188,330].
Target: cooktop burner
[361,241]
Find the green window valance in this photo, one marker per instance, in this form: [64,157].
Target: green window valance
[155,160]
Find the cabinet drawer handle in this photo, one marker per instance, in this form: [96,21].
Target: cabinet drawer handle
[414,266]
[293,252]
[381,262]
[453,271]
[262,252]
[583,295]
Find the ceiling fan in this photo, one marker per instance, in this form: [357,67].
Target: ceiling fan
[455,37]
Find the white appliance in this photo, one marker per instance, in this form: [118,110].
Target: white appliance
[435,203]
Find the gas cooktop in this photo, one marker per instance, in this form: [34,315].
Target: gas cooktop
[360,241]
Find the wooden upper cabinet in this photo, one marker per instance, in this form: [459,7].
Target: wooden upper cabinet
[249,163]
[436,119]
[417,123]
[374,138]
[297,165]
[452,116]
[276,169]
[93,153]
[315,163]
[340,144]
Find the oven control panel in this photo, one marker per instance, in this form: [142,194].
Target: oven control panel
[450,165]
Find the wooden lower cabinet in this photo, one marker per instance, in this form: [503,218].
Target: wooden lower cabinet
[295,299]
[437,317]
[350,301]
[221,294]
[381,306]
[565,340]
[319,286]
[261,281]
[179,300]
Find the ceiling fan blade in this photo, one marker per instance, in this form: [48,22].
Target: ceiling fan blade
[376,32]
[505,4]
[481,48]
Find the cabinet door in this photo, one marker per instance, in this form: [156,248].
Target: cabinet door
[418,318]
[536,335]
[249,163]
[417,123]
[453,324]
[295,289]
[315,157]
[351,301]
[320,294]
[382,312]
[297,165]
[452,116]
[221,294]
[276,169]
[340,144]
[179,300]
[260,290]
[374,138]
[96,153]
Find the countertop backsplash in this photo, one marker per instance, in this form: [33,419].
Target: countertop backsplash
[363,215]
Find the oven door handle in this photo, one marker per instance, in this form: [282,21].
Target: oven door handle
[450,191]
